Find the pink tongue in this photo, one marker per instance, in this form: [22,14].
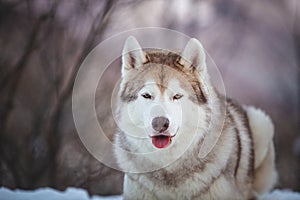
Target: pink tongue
[161,141]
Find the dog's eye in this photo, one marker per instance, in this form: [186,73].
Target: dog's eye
[147,96]
[177,96]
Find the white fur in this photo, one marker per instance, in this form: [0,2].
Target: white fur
[263,131]
[181,114]
[188,125]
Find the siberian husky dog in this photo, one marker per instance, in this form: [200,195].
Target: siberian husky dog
[168,111]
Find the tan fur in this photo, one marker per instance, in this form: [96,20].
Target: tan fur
[239,166]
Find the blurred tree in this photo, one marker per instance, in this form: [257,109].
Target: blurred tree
[39,61]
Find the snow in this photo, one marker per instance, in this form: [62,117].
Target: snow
[281,195]
[50,194]
[80,194]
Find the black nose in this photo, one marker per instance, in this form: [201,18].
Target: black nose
[160,124]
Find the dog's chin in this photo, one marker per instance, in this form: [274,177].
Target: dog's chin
[162,140]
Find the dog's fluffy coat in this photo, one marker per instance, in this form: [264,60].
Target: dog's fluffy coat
[240,165]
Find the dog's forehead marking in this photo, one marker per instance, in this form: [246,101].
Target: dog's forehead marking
[162,76]
[151,86]
[166,71]
[174,85]
[163,66]
[165,77]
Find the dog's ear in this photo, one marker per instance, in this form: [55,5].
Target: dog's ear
[193,56]
[132,56]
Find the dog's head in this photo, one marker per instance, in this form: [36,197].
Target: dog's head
[163,94]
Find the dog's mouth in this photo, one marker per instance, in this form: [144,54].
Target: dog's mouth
[162,140]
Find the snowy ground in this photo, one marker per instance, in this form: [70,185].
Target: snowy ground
[281,195]
[80,194]
[50,194]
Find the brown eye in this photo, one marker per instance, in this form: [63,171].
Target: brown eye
[147,96]
[177,96]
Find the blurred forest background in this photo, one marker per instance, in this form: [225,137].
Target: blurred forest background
[255,44]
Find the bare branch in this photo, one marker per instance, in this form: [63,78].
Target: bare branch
[97,30]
